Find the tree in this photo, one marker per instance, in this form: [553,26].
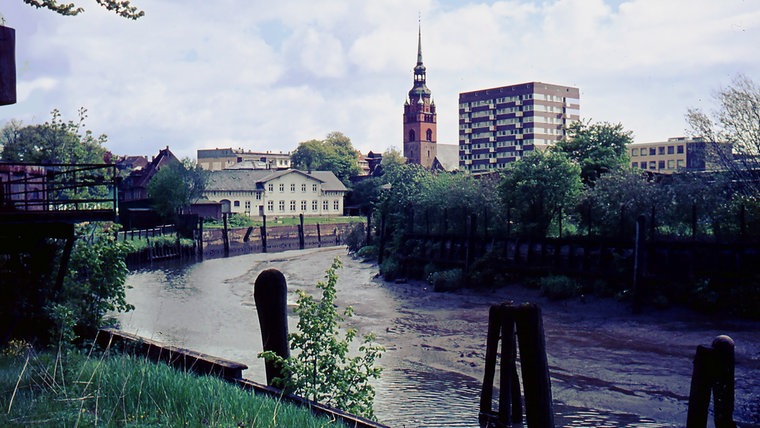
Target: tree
[392,157]
[335,153]
[735,122]
[537,188]
[322,368]
[598,148]
[122,8]
[176,186]
[55,141]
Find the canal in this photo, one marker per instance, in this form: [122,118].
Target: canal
[608,368]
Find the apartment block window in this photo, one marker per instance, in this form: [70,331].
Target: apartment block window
[643,165]
[671,164]
[270,187]
[652,151]
[303,205]
[292,205]
[314,205]
[292,187]
[282,187]
[661,164]
[680,150]
[634,164]
[652,165]
[680,163]
[634,152]
[336,205]
[325,205]
[303,187]
[671,150]
[270,206]
[643,152]
[281,205]
[661,150]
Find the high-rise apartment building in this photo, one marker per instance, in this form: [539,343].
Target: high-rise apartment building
[500,125]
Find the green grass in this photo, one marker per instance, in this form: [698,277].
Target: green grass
[119,390]
[139,244]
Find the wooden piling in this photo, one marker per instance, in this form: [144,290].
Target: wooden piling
[713,373]
[270,294]
[301,237]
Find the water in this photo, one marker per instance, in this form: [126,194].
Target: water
[608,368]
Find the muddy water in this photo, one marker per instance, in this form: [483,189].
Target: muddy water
[608,368]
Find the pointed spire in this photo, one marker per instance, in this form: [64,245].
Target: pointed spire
[419,44]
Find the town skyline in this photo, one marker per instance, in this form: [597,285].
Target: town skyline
[265,77]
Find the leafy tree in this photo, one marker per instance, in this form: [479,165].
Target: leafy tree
[55,141]
[122,8]
[335,153]
[392,157]
[176,186]
[322,368]
[537,188]
[598,148]
[736,122]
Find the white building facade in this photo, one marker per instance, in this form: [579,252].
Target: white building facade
[276,193]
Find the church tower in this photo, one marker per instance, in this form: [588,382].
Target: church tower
[420,118]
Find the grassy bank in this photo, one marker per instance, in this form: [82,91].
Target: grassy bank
[119,390]
[237,220]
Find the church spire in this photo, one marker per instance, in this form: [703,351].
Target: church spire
[419,44]
[420,89]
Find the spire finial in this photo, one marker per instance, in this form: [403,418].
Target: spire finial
[419,40]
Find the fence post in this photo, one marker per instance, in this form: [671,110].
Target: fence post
[301,238]
[270,293]
[319,236]
[264,234]
[639,264]
[225,237]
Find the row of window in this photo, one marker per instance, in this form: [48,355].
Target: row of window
[655,165]
[653,151]
[270,187]
[294,204]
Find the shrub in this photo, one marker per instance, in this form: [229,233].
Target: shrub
[390,269]
[446,280]
[558,287]
[356,238]
[321,369]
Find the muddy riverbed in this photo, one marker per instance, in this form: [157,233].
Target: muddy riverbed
[608,367]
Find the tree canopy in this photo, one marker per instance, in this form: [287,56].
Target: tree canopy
[122,8]
[176,186]
[56,141]
[736,121]
[598,148]
[335,153]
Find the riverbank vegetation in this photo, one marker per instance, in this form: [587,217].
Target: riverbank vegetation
[241,221]
[114,390]
[583,189]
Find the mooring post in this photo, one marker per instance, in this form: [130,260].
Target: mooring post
[270,294]
[713,373]
[225,236]
[301,237]
[535,367]
[723,385]
[264,233]
[492,342]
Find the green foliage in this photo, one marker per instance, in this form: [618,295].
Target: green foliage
[120,7]
[598,148]
[55,141]
[356,238]
[94,283]
[175,187]
[335,153]
[537,187]
[446,280]
[559,287]
[322,368]
[71,389]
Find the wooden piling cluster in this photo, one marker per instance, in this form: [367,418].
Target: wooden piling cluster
[713,375]
[520,327]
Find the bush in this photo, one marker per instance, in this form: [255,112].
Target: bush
[558,287]
[446,280]
[356,238]
[368,252]
[322,369]
[390,269]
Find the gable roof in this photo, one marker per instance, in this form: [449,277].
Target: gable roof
[447,157]
[249,179]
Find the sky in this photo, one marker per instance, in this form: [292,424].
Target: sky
[265,75]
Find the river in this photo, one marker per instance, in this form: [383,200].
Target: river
[608,368]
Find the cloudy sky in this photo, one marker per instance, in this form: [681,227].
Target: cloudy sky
[266,75]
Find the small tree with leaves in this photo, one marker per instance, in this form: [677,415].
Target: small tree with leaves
[324,368]
[120,7]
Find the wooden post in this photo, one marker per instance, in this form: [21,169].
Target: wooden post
[270,292]
[301,237]
[639,263]
[319,236]
[369,227]
[713,373]
[503,321]
[264,234]
[225,237]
